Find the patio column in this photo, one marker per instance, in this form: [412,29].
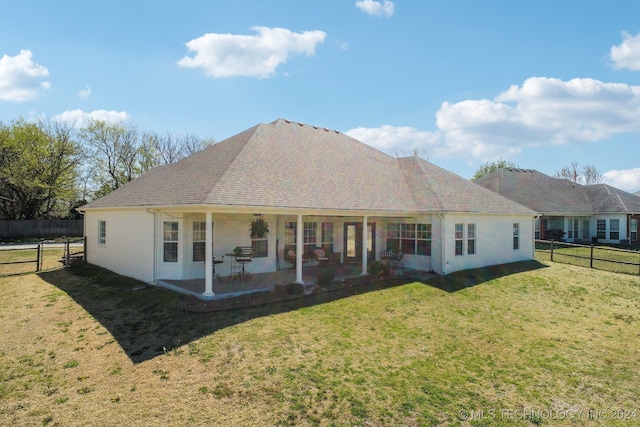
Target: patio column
[299,250]
[365,245]
[208,257]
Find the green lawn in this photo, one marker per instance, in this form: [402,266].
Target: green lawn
[525,344]
[23,261]
[605,258]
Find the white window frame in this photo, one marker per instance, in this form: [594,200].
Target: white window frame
[613,229]
[199,237]
[516,236]
[459,239]
[633,229]
[471,238]
[102,232]
[168,239]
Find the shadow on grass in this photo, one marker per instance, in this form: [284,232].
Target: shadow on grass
[468,278]
[149,322]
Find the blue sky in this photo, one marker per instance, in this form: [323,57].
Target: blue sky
[539,83]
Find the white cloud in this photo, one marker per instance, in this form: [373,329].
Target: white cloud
[627,54]
[395,140]
[229,55]
[84,93]
[542,111]
[372,7]
[625,179]
[20,77]
[81,118]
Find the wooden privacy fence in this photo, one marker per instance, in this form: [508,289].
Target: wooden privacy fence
[598,257]
[38,256]
[41,228]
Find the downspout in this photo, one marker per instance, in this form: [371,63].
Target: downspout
[443,250]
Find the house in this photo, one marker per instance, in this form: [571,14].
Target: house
[569,210]
[315,187]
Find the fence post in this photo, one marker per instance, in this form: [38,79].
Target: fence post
[551,249]
[38,258]
[591,257]
[66,253]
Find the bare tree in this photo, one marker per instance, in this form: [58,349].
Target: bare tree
[589,174]
[592,175]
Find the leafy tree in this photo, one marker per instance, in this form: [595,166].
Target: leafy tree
[38,169]
[489,167]
[120,153]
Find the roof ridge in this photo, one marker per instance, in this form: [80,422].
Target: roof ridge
[244,144]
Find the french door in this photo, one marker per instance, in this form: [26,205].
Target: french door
[353,234]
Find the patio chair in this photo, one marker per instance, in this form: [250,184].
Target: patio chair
[321,257]
[243,257]
[291,257]
[216,261]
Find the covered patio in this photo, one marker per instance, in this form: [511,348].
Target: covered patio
[227,287]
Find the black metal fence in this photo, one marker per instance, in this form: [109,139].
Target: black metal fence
[599,257]
[41,228]
[39,256]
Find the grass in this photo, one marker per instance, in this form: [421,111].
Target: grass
[605,258]
[52,259]
[505,346]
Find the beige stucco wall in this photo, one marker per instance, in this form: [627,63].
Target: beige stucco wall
[494,241]
[129,242]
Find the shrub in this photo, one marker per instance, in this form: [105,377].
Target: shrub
[377,268]
[326,276]
[294,289]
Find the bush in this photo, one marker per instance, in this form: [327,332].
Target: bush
[326,276]
[377,268]
[294,289]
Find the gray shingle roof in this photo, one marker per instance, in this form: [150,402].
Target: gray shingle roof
[290,165]
[549,195]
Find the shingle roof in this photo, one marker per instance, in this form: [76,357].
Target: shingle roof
[285,164]
[545,194]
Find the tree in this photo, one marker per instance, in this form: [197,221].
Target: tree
[487,168]
[38,169]
[120,153]
[589,174]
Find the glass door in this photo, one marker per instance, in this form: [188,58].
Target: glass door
[353,241]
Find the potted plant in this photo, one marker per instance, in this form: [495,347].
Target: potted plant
[258,227]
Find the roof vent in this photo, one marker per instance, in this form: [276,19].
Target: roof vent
[315,127]
[287,121]
[300,124]
[326,130]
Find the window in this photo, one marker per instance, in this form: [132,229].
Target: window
[327,237]
[423,239]
[601,229]
[516,236]
[290,233]
[259,248]
[614,229]
[471,239]
[393,237]
[102,232]
[408,238]
[459,237]
[585,229]
[536,226]
[170,241]
[310,236]
[199,240]
[633,226]
[573,229]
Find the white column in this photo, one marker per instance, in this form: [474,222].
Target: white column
[299,250]
[208,258]
[365,245]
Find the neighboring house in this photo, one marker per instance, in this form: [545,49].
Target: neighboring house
[582,212]
[316,188]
